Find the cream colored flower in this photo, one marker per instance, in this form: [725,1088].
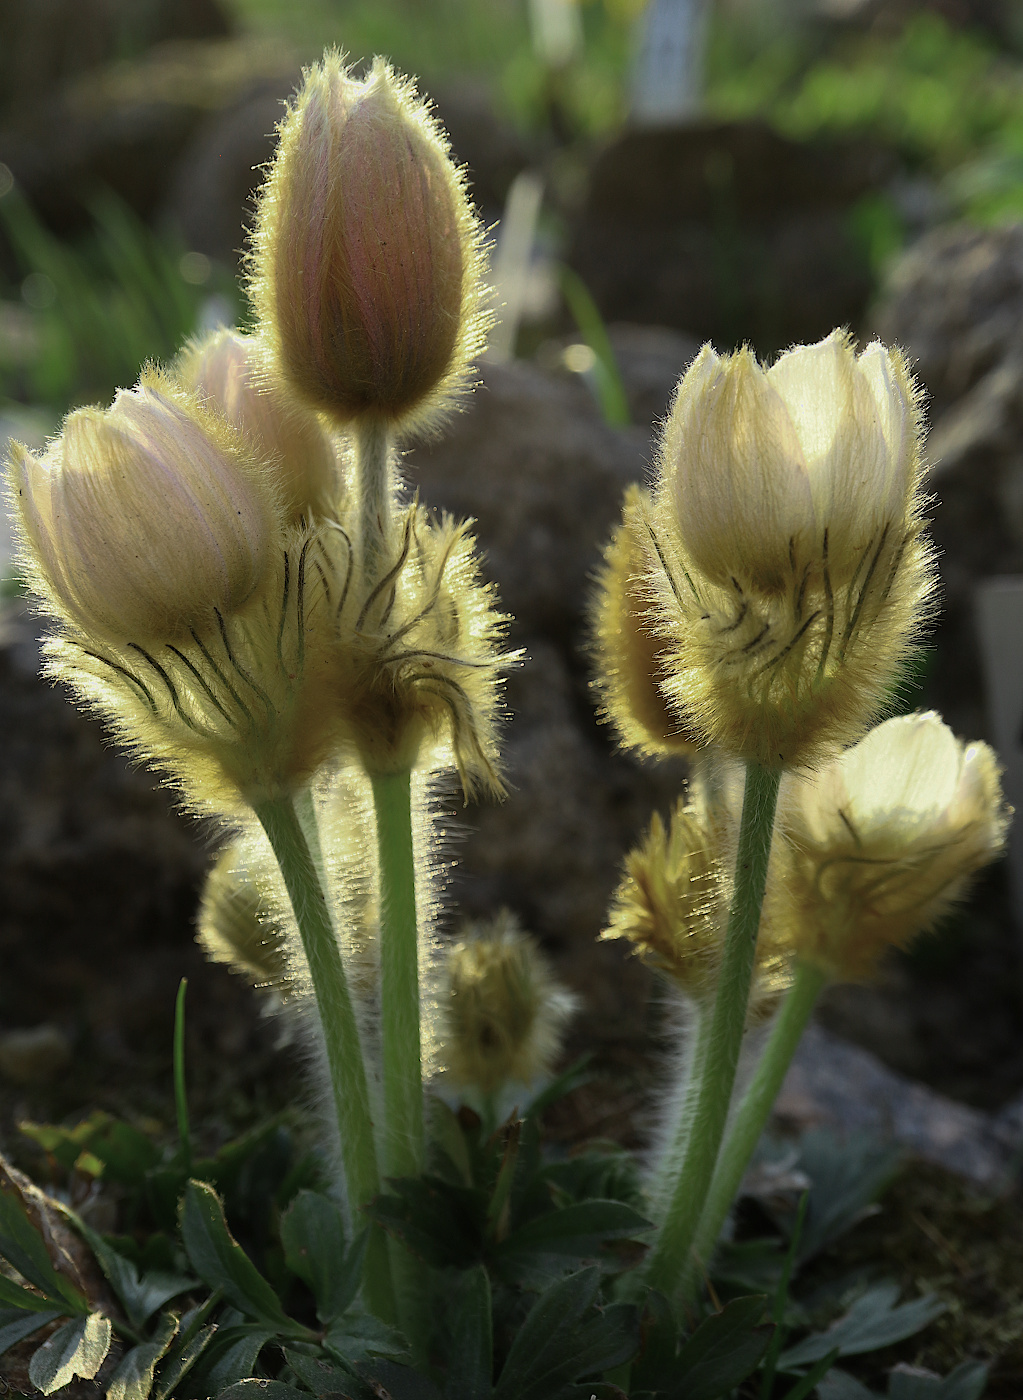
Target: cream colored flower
[882,841]
[143,518]
[233,374]
[793,575]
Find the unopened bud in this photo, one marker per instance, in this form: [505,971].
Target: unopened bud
[238,926]
[233,374]
[502,1012]
[880,843]
[140,520]
[366,267]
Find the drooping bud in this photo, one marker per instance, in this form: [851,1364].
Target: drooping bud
[794,576]
[881,842]
[233,374]
[629,655]
[140,520]
[502,1012]
[367,252]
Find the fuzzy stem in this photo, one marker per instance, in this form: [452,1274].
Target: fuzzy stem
[305,810]
[401,1052]
[374,477]
[340,1030]
[399,977]
[671,1254]
[683,1111]
[752,1113]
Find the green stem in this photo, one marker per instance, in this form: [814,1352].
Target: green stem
[683,1111]
[670,1257]
[400,1048]
[340,1030]
[305,810]
[374,476]
[180,1089]
[752,1113]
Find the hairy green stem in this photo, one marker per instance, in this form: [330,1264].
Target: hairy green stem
[671,1255]
[400,1048]
[683,1111]
[374,476]
[340,1030]
[752,1113]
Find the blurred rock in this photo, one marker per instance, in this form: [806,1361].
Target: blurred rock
[650,360]
[727,231]
[955,303]
[493,151]
[34,1056]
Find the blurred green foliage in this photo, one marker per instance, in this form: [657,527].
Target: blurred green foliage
[78,320]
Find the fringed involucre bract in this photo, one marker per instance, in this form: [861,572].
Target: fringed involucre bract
[793,576]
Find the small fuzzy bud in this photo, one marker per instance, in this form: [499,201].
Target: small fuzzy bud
[367,253]
[793,574]
[881,842]
[672,903]
[236,925]
[502,1012]
[629,655]
[232,373]
[140,520]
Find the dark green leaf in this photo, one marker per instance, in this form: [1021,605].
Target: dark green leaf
[846,1177]
[140,1297]
[231,1356]
[15,1326]
[570,1079]
[221,1261]
[577,1230]
[360,1334]
[966,1382]
[316,1249]
[183,1358]
[22,1245]
[872,1322]
[399,1382]
[802,1387]
[133,1378]
[654,1368]
[440,1222]
[79,1348]
[320,1376]
[722,1352]
[559,1308]
[839,1385]
[12,1295]
[471,1364]
[253,1389]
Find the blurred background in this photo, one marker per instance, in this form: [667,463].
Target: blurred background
[653,175]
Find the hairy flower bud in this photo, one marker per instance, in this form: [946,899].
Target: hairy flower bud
[794,576]
[672,903]
[629,655]
[502,1012]
[238,926]
[233,374]
[140,520]
[367,253]
[882,841]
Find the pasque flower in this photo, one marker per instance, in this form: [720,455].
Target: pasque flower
[881,842]
[794,575]
[366,260]
[234,374]
[139,520]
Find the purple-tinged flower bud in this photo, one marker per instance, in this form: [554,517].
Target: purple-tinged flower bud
[367,256]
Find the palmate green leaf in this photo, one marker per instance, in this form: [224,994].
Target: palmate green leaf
[133,1378]
[722,1352]
[555,1347]
[16,1325]
[578,1230]
[316,1249]
[186,1354]
[442,1223]
[846,1178]
[219,1260]
[321,1377]
[873,1321]
[471,1361]
[139,1295]
[839,1385]
[12,1295]
[230,1357]
[398,1382]
[79,1348]
[966,1382]
[22,1245]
